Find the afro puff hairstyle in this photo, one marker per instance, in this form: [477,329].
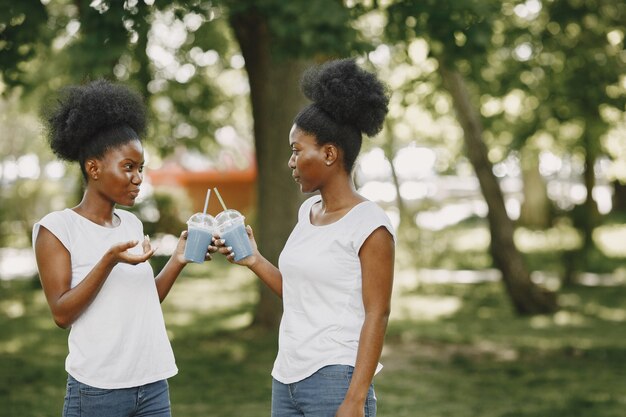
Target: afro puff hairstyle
[88,120]
[347,102]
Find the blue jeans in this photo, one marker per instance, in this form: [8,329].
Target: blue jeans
[82,400]
[319,395]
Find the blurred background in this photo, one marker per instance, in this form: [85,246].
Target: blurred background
[502,165]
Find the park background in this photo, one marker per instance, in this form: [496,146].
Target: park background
[502,164]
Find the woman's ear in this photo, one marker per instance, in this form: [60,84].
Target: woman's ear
[330,154]
[92,167]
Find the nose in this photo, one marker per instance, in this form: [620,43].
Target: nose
[292,162]
[137,178]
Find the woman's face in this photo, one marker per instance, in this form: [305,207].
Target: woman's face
[120,173]
[308,160]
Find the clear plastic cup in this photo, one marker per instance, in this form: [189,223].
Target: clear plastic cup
[231,227]
[200,228]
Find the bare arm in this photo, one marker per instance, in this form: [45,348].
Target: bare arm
[258,264]
[377,260]
[168,275]
[55,272]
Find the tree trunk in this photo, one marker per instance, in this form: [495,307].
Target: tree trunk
[590,216]
[535,210]
[585,217]
[276,99]
[619,196]
[527,298]
[389,149]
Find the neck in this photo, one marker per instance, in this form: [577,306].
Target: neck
[339,194]
[96,209]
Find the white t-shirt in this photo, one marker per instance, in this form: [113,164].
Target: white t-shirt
[323,309]
[120,340]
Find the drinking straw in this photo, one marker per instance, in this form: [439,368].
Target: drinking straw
[206,200]
[219,197]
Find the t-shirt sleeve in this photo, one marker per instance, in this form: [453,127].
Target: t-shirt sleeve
[370,218]
[55,222]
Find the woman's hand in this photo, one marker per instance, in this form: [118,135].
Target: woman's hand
[264,269]
[179,252]
[119,253]
[227,251]
[350,409]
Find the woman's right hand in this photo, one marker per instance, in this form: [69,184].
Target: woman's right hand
[227,251]
[119,253]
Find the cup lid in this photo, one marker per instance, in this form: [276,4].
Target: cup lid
[227,216]
[202,219]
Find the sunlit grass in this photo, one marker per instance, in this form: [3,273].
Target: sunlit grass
[452,349]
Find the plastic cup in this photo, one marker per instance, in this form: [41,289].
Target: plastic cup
[232,228]
[200,228]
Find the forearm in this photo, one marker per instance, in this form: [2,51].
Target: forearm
[370,347]
[269,274]
[71,304]
[168,275]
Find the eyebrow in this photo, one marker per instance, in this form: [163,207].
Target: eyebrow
[142,162]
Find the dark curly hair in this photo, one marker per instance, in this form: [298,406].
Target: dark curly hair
[347,101]
[88,120]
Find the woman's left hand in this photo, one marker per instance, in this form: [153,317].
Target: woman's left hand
[350,409]
[179,253]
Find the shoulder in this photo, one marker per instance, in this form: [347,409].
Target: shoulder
[368,208]
[369,216]
[55,217]
[59,223]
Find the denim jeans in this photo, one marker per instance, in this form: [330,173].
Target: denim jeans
[319,395]
[82,400]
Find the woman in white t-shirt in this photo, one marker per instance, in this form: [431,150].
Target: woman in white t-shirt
[92,261]
[336,270]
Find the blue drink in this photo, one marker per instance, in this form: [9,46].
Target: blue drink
[199,234]
[233,230]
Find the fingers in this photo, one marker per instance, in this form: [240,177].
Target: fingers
[227,251]
[212,248]
[126,245]
[122,254]
[146,244]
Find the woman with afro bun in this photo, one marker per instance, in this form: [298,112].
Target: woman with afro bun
[92,261]
[335,272]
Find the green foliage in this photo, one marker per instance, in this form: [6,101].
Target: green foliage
[455,29]
[302,29]
[165,212]
[22,29]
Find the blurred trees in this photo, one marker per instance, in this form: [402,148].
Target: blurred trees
[526,78]
[278,41]
[580,57]
[459,38]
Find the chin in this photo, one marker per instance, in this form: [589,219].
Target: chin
[128,203]
[307,190]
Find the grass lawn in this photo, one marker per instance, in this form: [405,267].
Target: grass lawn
[452,350]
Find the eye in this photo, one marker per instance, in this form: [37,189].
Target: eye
[141,168]
[128,166]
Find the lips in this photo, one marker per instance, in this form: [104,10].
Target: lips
[134,193]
